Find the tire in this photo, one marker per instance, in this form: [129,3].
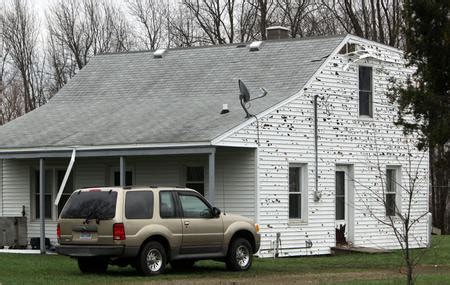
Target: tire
[182,265]
[92,264]
[152,259]
[240,255]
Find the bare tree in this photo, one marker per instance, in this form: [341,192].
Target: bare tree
[152,15]
[378,20]
[217,19]
[183,30]
[247,21]
[20,31]
[396,206]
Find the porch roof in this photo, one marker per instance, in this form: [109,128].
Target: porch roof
[134,98]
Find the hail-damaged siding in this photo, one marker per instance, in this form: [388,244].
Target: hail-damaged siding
[361,144]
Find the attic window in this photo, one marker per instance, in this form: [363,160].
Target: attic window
[348,48]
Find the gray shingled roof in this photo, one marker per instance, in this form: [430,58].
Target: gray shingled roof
[133,98]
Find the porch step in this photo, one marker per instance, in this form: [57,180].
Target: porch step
[340,250]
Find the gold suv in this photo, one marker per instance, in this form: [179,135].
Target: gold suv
[149,227]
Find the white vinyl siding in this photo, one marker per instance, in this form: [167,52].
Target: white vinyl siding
[287,134]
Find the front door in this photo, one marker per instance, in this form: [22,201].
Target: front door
[343,204]
[202,233]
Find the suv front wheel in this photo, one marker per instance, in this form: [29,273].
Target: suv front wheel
[152,259]
[240,255]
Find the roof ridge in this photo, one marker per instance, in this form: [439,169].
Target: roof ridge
[341,35]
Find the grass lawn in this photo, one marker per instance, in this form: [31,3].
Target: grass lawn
[434,268]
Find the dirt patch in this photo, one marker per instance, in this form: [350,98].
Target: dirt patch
[306,278]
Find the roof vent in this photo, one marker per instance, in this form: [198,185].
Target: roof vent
[225,109]
[255,46]
[277,33]
[159,53]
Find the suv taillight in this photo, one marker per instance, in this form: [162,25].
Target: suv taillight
[58,231]
[118,232]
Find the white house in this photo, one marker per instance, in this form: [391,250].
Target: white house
[154,118]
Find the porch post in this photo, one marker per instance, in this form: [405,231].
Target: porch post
[212,177]
[42,203]
[122,171]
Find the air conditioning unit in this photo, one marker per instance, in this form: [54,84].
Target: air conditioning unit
[13,232]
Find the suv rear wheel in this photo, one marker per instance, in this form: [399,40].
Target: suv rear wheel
[152,259]
[240,255]
[92,264]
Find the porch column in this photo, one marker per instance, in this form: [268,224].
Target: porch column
[42,203]
[122,171]
[212,177]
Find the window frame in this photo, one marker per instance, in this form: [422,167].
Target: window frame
[189,193]
[186,181]
[178,213]
[396,192]
[303,192]
[54,191]
[371,97]
[152,206]
[112,174]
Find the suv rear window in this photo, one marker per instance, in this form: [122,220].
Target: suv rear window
[91,205]
[139,205]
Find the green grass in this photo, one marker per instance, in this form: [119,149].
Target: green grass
[52,269]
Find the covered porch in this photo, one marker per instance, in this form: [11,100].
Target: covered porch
[31,180]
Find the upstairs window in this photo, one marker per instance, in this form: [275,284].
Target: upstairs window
[365,91]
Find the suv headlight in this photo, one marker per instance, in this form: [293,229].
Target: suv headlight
[257,228]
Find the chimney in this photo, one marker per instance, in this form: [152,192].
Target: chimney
[277,33]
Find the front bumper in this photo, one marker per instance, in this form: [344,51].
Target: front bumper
[89,250]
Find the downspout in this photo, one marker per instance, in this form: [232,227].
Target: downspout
[317,194]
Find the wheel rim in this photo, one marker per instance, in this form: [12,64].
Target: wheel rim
[154,260]
[242,256]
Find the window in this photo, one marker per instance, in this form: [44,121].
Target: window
[194,207]
[53,180]
[195,178]
[340,195]
[68,189]
[365,91]
[297,192]
[139,205]
[128,178]
[94,205]
[166,205]
[391,191]
[47,193]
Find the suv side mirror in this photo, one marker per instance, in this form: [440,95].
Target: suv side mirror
[215,212]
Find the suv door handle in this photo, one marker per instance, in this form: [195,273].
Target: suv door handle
[186,223]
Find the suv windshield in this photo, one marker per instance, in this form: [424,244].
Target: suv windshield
[91,205]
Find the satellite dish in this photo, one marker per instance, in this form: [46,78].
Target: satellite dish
[245,94]
[244,97]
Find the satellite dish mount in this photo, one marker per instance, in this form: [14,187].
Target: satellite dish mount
[244,97]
